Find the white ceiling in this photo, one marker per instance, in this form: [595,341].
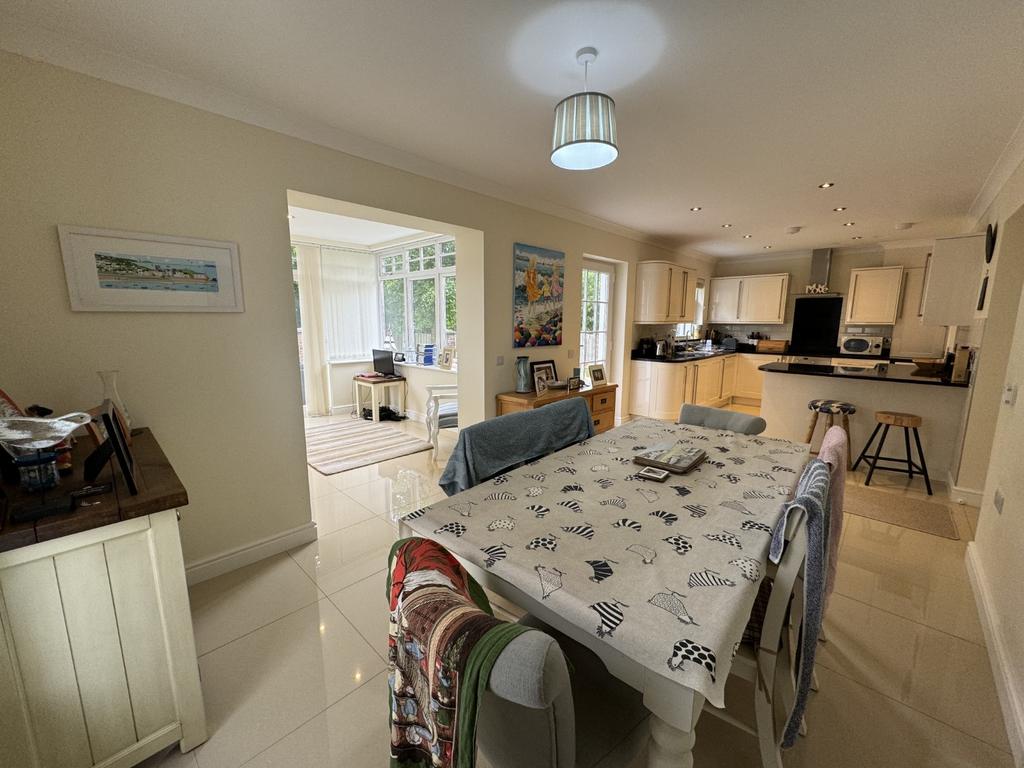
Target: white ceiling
[741,108]
[345,229]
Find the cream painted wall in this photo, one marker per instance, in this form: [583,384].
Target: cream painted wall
[221,391]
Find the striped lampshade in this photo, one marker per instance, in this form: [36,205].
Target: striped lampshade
[585,135]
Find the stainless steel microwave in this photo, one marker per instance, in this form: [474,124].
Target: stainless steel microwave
[858,344]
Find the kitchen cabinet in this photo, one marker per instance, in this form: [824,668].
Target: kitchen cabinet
[640,387]
[750,380]
[728,377]
[954,264]
[911,336]
[874,296]
[708,386]
[658,390]
[759,299]
[665,293]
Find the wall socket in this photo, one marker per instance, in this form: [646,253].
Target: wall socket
[1010,395]
[997,501]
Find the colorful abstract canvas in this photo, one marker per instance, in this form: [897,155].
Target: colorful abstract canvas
[537,302]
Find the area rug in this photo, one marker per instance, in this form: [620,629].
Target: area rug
[906,512]
[342,445]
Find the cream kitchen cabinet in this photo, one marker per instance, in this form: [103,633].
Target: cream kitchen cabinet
[665,293]
[911,337]
[954,265]
[728,377]
[658,390]
[640,387]
[874,296]
[750,380]
[708,386]
[759,299]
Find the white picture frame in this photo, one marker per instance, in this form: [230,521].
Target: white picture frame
[113,271]
[597,375]
[447,358]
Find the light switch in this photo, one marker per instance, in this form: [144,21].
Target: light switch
[997,501]
[1010,395]
[500,360]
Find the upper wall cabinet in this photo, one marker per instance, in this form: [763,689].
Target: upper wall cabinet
[759,299]
[665,293]
[955,264]
[874,296]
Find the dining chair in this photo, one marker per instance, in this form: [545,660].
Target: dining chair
[719,418]
[442,410]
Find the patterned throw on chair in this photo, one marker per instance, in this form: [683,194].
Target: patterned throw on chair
[443,642]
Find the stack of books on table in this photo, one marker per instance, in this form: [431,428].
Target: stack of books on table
[674,457]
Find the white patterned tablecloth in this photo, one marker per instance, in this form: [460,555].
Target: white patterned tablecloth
[666,572]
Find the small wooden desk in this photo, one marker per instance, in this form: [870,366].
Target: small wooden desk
[378,386]
[600,401]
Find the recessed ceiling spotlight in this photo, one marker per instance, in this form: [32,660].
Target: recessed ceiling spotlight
[767,247]
[840,209]
[857,237]
[849,224]
[726,226]
[747,237]
[826,184]
[905,225]
[696,208]
[792,230]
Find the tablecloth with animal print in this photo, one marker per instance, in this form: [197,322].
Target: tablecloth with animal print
[664,572]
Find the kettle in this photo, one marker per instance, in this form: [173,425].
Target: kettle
[661,348]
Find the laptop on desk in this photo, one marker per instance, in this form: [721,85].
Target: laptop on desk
[384,363]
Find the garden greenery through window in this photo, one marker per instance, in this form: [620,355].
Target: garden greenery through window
[417,297]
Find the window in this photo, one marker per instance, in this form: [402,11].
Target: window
[349,295]
[691,330]
[417,296]
[595,330]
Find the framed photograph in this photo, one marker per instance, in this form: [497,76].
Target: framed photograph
[112,271]
[98,432]
[546,368]
[597,377]
[574,382]
[120,445]
[447,358]
[537,301]
[540,382]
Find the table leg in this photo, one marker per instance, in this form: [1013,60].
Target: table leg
[375,403]
[669,747]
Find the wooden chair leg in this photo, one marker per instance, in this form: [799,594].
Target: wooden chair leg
[810,429]
[849,442]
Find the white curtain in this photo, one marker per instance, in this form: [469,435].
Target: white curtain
[314,361]
[351,319]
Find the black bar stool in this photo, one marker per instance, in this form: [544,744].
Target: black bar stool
[908,421]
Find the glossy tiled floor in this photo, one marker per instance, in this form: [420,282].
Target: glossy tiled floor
[292,648]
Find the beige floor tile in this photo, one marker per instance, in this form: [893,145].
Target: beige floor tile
[344,557]
[939,602]
[263,686]
[359,476]
[352,732]
[232,605]
[934,672]
[336,511]
[365,605]
[389,497]
[918,554]
[171,757]
[319,485]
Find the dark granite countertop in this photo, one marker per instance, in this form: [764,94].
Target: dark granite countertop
[694,357]
[902,374]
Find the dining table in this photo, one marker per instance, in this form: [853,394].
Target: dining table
[657,578]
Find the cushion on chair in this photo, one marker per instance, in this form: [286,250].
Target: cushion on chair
[831,406]
[719,418]
[448,415]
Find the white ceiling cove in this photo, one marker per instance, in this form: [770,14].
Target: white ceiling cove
[739,108]
[345,229]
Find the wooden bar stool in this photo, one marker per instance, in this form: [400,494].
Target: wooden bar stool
[908,421]
[832,407]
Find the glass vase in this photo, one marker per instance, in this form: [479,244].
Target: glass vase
[523,383]
[109,379]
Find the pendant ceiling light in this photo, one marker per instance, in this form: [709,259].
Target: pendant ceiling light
[585,135]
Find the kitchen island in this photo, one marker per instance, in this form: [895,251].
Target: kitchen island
[894,387]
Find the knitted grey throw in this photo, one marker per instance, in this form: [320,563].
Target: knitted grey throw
[812,493]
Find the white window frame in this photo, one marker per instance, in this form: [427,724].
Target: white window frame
[437,273]
[605,268]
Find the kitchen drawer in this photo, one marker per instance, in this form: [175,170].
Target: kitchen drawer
[604,421]
[602,403]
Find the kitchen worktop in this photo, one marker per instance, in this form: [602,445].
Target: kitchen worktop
[902,374]
[698,355]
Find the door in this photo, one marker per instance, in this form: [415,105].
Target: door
[653,291]
[709,381]
[725,300]
[640,387]
[749,380]
[910,336]
[596,315]
[677,299]
[728,376]
[763,299]
[668,386]
[874,295]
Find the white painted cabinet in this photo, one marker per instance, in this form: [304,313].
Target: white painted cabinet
[99,662]
[954,268]
[911,337]
[755,299]
[664,293]
[725,300]
[874,296]
[708,387]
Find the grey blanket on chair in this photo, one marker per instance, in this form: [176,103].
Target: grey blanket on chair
[812,493]
[491,447]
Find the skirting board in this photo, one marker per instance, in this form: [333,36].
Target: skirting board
[963,495]
[344,410]
[1011,697]
[247,554]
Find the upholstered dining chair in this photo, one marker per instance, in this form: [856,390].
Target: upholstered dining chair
[442,410]
[719,418]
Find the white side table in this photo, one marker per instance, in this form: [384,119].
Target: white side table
[378,387]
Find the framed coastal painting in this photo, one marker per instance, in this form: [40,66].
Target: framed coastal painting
[537,302]
[112,271]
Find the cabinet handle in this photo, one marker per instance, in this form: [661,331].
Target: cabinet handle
[739,299]
[853,292]
[924,285]
[782,305]
[903,295]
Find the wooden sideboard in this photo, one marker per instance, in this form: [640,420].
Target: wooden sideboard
[99,664]
[600,401]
